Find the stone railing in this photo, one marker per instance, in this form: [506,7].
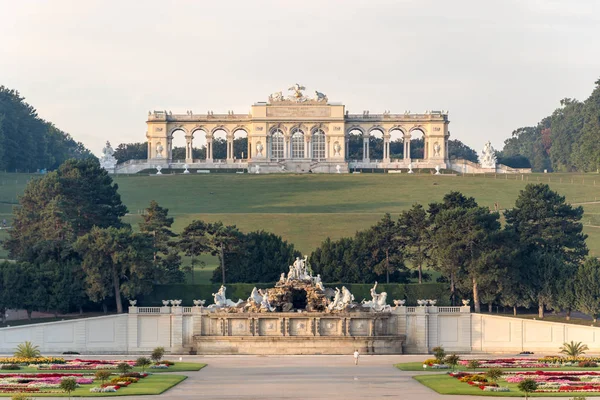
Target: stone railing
[147,310]
[449,309]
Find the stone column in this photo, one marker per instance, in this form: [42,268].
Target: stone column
[327,146]
[386,148]
[189,156]
[209,142]
[317,326]
[286,147]
[149,149]
[407,152]
[229,148]
[366,149]
[307,147]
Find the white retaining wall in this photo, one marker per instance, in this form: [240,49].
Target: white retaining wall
[173,328]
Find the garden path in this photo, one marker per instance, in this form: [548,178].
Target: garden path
[302,377]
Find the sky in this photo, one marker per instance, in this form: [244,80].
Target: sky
[95,68]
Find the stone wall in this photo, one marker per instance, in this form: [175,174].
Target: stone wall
[403,330]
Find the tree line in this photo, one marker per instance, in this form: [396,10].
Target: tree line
[567,140]
[537,258]
[27,142]
[71,246]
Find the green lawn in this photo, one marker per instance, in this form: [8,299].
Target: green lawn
[151,385]
[445,384]
[305,209]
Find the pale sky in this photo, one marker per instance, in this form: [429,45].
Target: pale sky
[95,68]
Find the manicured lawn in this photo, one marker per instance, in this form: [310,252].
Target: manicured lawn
[306,209]
[151,385]
[178,367]
[445,384]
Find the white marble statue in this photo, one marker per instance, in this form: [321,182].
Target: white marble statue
[410,167]
[335,303]
[199,303]
[132,303]
[347,297]
[221,300]
[297,96]
[319,285]
[399,303]
[255,297]
[158,168]
[159,150]
[422,303]
[437,170]
[378,302]
[259,149]
[281,278]
[108,161]
[186,171]
[264,304]
[488,156]
[317,279]
[338,169]
[257,169]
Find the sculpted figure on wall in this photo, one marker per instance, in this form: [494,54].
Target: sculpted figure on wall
[336,149]
[221,300]
[159,150]
[378,302]
[275,97]
[320,97]
[259,149]
[488,156]
[436,149]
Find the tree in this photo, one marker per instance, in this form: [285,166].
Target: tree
[527,386]
[413,229]
[194,241]
[157,354]
[223,240]
[61,206]
[157,224]
[103,375]
[387,247]
[552,243]
[473,365]
[452,361]
[123,367]
[459,150]
[27,142]
[131,151]
[143,363]
[117,260]
[573,349]
[439,353]
[587,288]
[68,385]
[261,257]
[493,374]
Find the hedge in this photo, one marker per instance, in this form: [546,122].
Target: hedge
[235,291]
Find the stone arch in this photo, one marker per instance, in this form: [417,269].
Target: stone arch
[375,147]
[397,142]
[417,137]
[240,143]
[355,142]
[276,143]
[199,142]
[355,128]
[177,144]
[220,128]
[320,126]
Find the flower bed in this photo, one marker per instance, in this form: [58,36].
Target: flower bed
[79,364]
[548,381]
[28,361]
[544,362]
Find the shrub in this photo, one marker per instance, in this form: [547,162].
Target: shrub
[473,364]
[157,354]
[118,379]
[133,375]
[167,362]
[527,386]
[493,374]
[439,354]
[587,364]
[123,367]
[11,367]
[452,361]
[27,350]
[102,375]
[21,396]
[574,349]
[72,353]
[143,363]
[430,361]
[68,385]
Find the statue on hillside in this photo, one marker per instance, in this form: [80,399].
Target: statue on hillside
[108,161]
[221,300]
[488,156]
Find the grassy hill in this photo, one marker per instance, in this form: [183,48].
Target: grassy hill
[305,209]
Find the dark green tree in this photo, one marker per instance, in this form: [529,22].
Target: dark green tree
[224,240]
[116,262]
[459,150]
[587,287]
[551,238]
[131,151]
[387,247]
[413,229]
[194,241]
[157,223]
